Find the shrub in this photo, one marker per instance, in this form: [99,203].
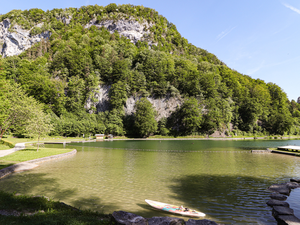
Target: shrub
[7,143]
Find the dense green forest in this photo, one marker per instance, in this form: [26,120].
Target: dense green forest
[62,73]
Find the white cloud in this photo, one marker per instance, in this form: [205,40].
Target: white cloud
[254,70]
[224,33]
[292,8]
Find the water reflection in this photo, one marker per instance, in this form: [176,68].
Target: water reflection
[227,183]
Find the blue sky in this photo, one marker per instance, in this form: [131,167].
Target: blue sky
[256,38]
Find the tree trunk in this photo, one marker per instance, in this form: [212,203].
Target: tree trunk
[38,143]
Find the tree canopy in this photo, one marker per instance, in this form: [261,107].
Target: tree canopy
[64,72]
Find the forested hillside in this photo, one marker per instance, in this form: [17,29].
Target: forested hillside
[65,71]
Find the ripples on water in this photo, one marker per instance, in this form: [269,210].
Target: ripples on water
[218,178]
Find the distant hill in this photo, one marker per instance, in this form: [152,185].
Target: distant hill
[91,66]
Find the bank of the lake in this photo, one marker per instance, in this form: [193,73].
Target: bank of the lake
[28,158]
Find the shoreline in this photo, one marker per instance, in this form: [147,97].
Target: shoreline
[205,138]
[31,164]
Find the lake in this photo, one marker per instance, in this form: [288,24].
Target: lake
[222,179]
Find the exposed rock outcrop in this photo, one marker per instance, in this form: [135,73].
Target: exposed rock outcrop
[164,106]
[64,19]
[102,99]
[131,29]
[15,40]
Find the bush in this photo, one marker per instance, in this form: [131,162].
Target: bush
[7,143]
[35,31]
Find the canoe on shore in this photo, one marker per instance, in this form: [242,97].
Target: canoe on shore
[174,209]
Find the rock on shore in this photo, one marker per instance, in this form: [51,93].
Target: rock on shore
[127,218]
[281,210]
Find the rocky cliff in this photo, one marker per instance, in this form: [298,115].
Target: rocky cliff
[129,28]
[164,106]
[14,40]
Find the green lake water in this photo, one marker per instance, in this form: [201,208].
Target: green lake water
[223,179]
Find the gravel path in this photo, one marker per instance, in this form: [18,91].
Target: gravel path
[17,147]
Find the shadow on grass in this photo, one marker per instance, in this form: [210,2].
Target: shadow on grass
[54,212]
[44,211]
[5,164]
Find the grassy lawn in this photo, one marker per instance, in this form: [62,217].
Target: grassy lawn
[4,147]
[44,211]
[32,153]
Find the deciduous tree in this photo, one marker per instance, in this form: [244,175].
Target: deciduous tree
[145,122]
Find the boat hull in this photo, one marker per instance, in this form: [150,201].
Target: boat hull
[174,209]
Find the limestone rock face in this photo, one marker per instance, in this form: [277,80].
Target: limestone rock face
[102,99]
[131,29]
[164,106]
[16,40]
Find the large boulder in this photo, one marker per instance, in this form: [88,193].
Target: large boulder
[165,221]
[278,196]
[280,188]
[200,222]
[280,210]
[127,218]
[274,202]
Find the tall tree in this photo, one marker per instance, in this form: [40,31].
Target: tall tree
[39,124]
[145,118]
[18,109]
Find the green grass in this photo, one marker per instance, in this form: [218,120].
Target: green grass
[4,147]
[32,153]
[47,212]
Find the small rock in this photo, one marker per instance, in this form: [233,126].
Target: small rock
[165,221]
[274,202]
[200,222]
[280,210]
[292,185]
[295,180]
[278,196]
